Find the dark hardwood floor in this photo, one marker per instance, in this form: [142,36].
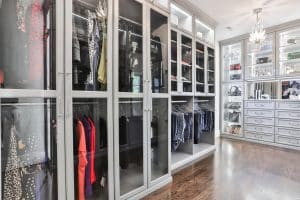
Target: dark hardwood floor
[238,171]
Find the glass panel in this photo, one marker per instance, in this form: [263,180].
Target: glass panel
[159,52]
[200,76]
[289,53]
[28,148]
[211,70]
[232,66]
[163,3]
[27,41]
[290,89]
[174,73]
[89,45]
[186,64]
[131,144]
[204,33]
[181,19]
[159,138]
[262,90]
[130,46]
[90,148]
[260,59]
[233,108]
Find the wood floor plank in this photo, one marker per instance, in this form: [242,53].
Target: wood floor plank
[238,171]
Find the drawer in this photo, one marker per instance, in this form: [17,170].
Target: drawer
[292,105]
[264,121]
[288,123]
[262,137]
[287,140]
[259,113]
[260,104]
[259,129]
[287,132]
[287,114]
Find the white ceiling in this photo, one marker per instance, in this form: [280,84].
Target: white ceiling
[238,14]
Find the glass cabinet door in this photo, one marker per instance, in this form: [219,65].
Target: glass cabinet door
[174,62]
[200,74]
[131,159]
[232,62]
[29,149]
[186,64]
[211,70]
[261,90]
[289,53]
[27,41]
[159,138]
[130,46]
[260,61]
[159,52]
[233,108]
[90,145]
[89,45]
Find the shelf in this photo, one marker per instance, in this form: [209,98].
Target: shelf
[212,56]
[185,64]
[173,61]
[290,61]
[264,52]
[261,65]
[174,41]
[289,47]
[186,46]
[199,83]
[198,67]
[209,70]
[232,123]
[199,51]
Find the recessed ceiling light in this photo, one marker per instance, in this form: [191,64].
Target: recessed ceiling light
[229,28]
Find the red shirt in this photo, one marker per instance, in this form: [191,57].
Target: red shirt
[93,149]
[82,161]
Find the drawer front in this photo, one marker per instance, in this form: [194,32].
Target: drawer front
[262,137]
[287,132]
[259,129]
[287,114]
[259,113]
[293,105]
[265,121]
[288,123]
[287,140]
[260,105]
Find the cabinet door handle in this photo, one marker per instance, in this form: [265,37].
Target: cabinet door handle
[294,124]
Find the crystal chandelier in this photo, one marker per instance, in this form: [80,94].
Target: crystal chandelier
[258,34]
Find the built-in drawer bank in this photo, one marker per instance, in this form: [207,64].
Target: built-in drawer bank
[260,104]
[255,120]
[259,113]
[291,105]
[257,136]
[287,132]
[259,129]
[287,114]
[287,140]
[289,123]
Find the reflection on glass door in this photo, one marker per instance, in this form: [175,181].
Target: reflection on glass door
[211,70]
[131,144]
[159,138]
[130,46]
[28,148]
[89,45]
[174,62]
[90,148]
[159,52]
[186,64]
[200,75]
[27,41]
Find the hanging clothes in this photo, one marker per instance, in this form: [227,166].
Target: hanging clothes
[204,122]
[12,176]
[102,76]
[177,130]
[92,153]
[82,159]
[156,62]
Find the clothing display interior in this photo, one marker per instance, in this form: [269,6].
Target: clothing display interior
[108,99]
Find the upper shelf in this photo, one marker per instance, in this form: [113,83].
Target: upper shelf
[181,19]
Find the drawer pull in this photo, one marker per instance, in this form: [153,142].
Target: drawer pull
[293,141]
[293,133]
[296,115]
[295,106]
[294,124]
[259,105]
[258,129]
[259,113]
[257,121]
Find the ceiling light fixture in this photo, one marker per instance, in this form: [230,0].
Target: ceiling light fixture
[258,34]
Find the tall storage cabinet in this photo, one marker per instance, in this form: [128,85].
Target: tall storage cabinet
[31,107]
[141,104]
[264,103]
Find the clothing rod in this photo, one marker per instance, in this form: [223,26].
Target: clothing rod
[179,101]
[129,20]
[135,34]
[88,103]
[79,16]
[128,102]
[199,101]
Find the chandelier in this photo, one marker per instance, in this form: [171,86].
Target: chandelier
[258,34]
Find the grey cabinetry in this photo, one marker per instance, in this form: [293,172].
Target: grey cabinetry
[259,120]
[288,123]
